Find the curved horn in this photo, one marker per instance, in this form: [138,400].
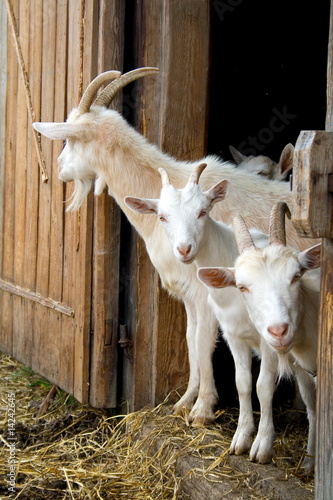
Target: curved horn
[242,234]
[165,177]
[197,171]
[106,96]
[93,87]
[277,226]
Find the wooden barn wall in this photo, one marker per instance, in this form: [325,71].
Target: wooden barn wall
[48,272]
[59,284]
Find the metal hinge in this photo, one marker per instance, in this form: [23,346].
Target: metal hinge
[125,342]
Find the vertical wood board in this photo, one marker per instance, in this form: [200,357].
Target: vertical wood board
[106,235]
[324,427]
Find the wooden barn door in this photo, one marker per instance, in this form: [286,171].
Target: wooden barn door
[59,282]
[57,268]
[172,113]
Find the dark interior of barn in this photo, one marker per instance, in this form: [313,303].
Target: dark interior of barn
[268,82]
[268,74]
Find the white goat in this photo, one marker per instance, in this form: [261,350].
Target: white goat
[283,304]
[194,236]
[102,148]
[263,165]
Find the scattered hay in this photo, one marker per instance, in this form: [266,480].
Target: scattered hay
[77,452]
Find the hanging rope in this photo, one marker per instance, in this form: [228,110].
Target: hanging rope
[24,74]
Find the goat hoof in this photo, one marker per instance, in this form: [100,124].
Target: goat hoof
[241,443]
[200,421]
[308,464]
[263,458]
[181,411]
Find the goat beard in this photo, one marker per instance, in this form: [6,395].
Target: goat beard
[81,189]
[285,366]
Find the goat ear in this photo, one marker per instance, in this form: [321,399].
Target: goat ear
[286,160]
[142,205]
[237,155]
[310,258]
[217,277]
[60,131]
[218,192]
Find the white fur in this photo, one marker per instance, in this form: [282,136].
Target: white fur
[283,304]
[102,148]
[184,214]
[263,166]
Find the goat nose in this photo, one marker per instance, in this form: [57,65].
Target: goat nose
[184,250]
[278,330]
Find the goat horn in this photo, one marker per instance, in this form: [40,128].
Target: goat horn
[277,226]
[165,177]
[242,234]
[93,87]
[197,171]
[106,96]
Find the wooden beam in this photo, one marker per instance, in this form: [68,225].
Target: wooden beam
[324,444]
[36,297]
[324,447]
[313,160]
[312,217]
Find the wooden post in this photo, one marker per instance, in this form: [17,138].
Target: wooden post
[312,217]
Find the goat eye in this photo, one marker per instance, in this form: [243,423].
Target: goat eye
[202,214]
[296,278]
[242,288]
[162,218]
[263,174]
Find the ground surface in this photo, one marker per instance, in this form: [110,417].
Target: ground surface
[77,452]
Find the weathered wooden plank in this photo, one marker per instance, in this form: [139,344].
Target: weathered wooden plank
[64,326]
[23,21]
[179,96]
[324,448]
[36,297]
[75,268]
[329,93]
[32,186]
[184,90]
[57,187]
[184,98]
[106,245]
[3,95]
[9,193]
[324,430]
[313,156]
[47,342]
[313,211]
